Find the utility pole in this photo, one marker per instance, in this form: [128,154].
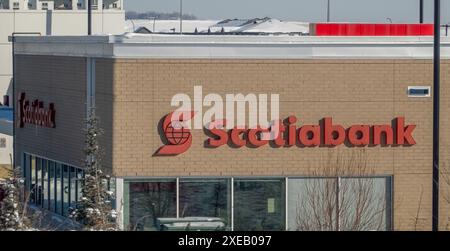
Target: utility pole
[181,17]
[89,14]
[436,110]
[328,11]
[421,11]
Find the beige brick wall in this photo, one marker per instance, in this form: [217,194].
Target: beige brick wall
[351,91]
[133,96]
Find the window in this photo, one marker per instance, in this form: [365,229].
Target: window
[66,190]
[206,198]
[73,185]
[114,5]
[80,183]
[27,172]
[58,188]
[39,182]
[419,91]
[148,201]
[16,6]
[33,180]
[44,6]
[312,204]
[339,204]
[365,204]
[45,187]
[51,184]
[259,205]
[112,188]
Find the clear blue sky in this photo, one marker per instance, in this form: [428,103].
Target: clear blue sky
[302,10]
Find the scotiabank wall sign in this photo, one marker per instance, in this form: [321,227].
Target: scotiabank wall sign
[327,133]
[34,112]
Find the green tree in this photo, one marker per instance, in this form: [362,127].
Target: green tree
[95,210]
[11,207]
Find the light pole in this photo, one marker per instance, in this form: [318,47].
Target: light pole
[181,17]
[154,23]
[89,10]
[328,11]
[421,12]
[436,110]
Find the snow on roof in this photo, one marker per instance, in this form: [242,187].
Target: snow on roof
[242,26]
[275,26]
[168,26]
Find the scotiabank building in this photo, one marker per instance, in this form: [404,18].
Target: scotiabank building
[352,149]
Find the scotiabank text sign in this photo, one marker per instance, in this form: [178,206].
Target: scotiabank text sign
[35,113]
[285,133]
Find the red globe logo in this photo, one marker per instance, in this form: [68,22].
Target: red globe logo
[176,133]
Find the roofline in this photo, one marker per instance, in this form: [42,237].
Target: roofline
[230,47]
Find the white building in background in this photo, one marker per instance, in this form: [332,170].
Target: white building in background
[48,17]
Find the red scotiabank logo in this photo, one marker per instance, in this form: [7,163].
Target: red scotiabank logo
[178,136]
[326,134]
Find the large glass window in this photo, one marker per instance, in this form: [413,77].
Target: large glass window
[38,181]
[206,198]
[312,204]
[148,201]
[80,183]
[339,204]
[27,171]
[45,187]
[112,188]
[259,205]
[58,188]
[33,180]
[365,204]
[52,185]
[66,190]
[73,185]
[51,182]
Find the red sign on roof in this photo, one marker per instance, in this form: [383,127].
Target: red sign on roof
[360,29]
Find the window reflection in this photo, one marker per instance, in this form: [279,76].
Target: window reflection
[45,187]
[66,190]
[33,180]
[259,205]
[73,185]
[364,204]
[339,204]
[312,204]
[52,185]
[206,198]
[58,188]
[150,200]
[51,181]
